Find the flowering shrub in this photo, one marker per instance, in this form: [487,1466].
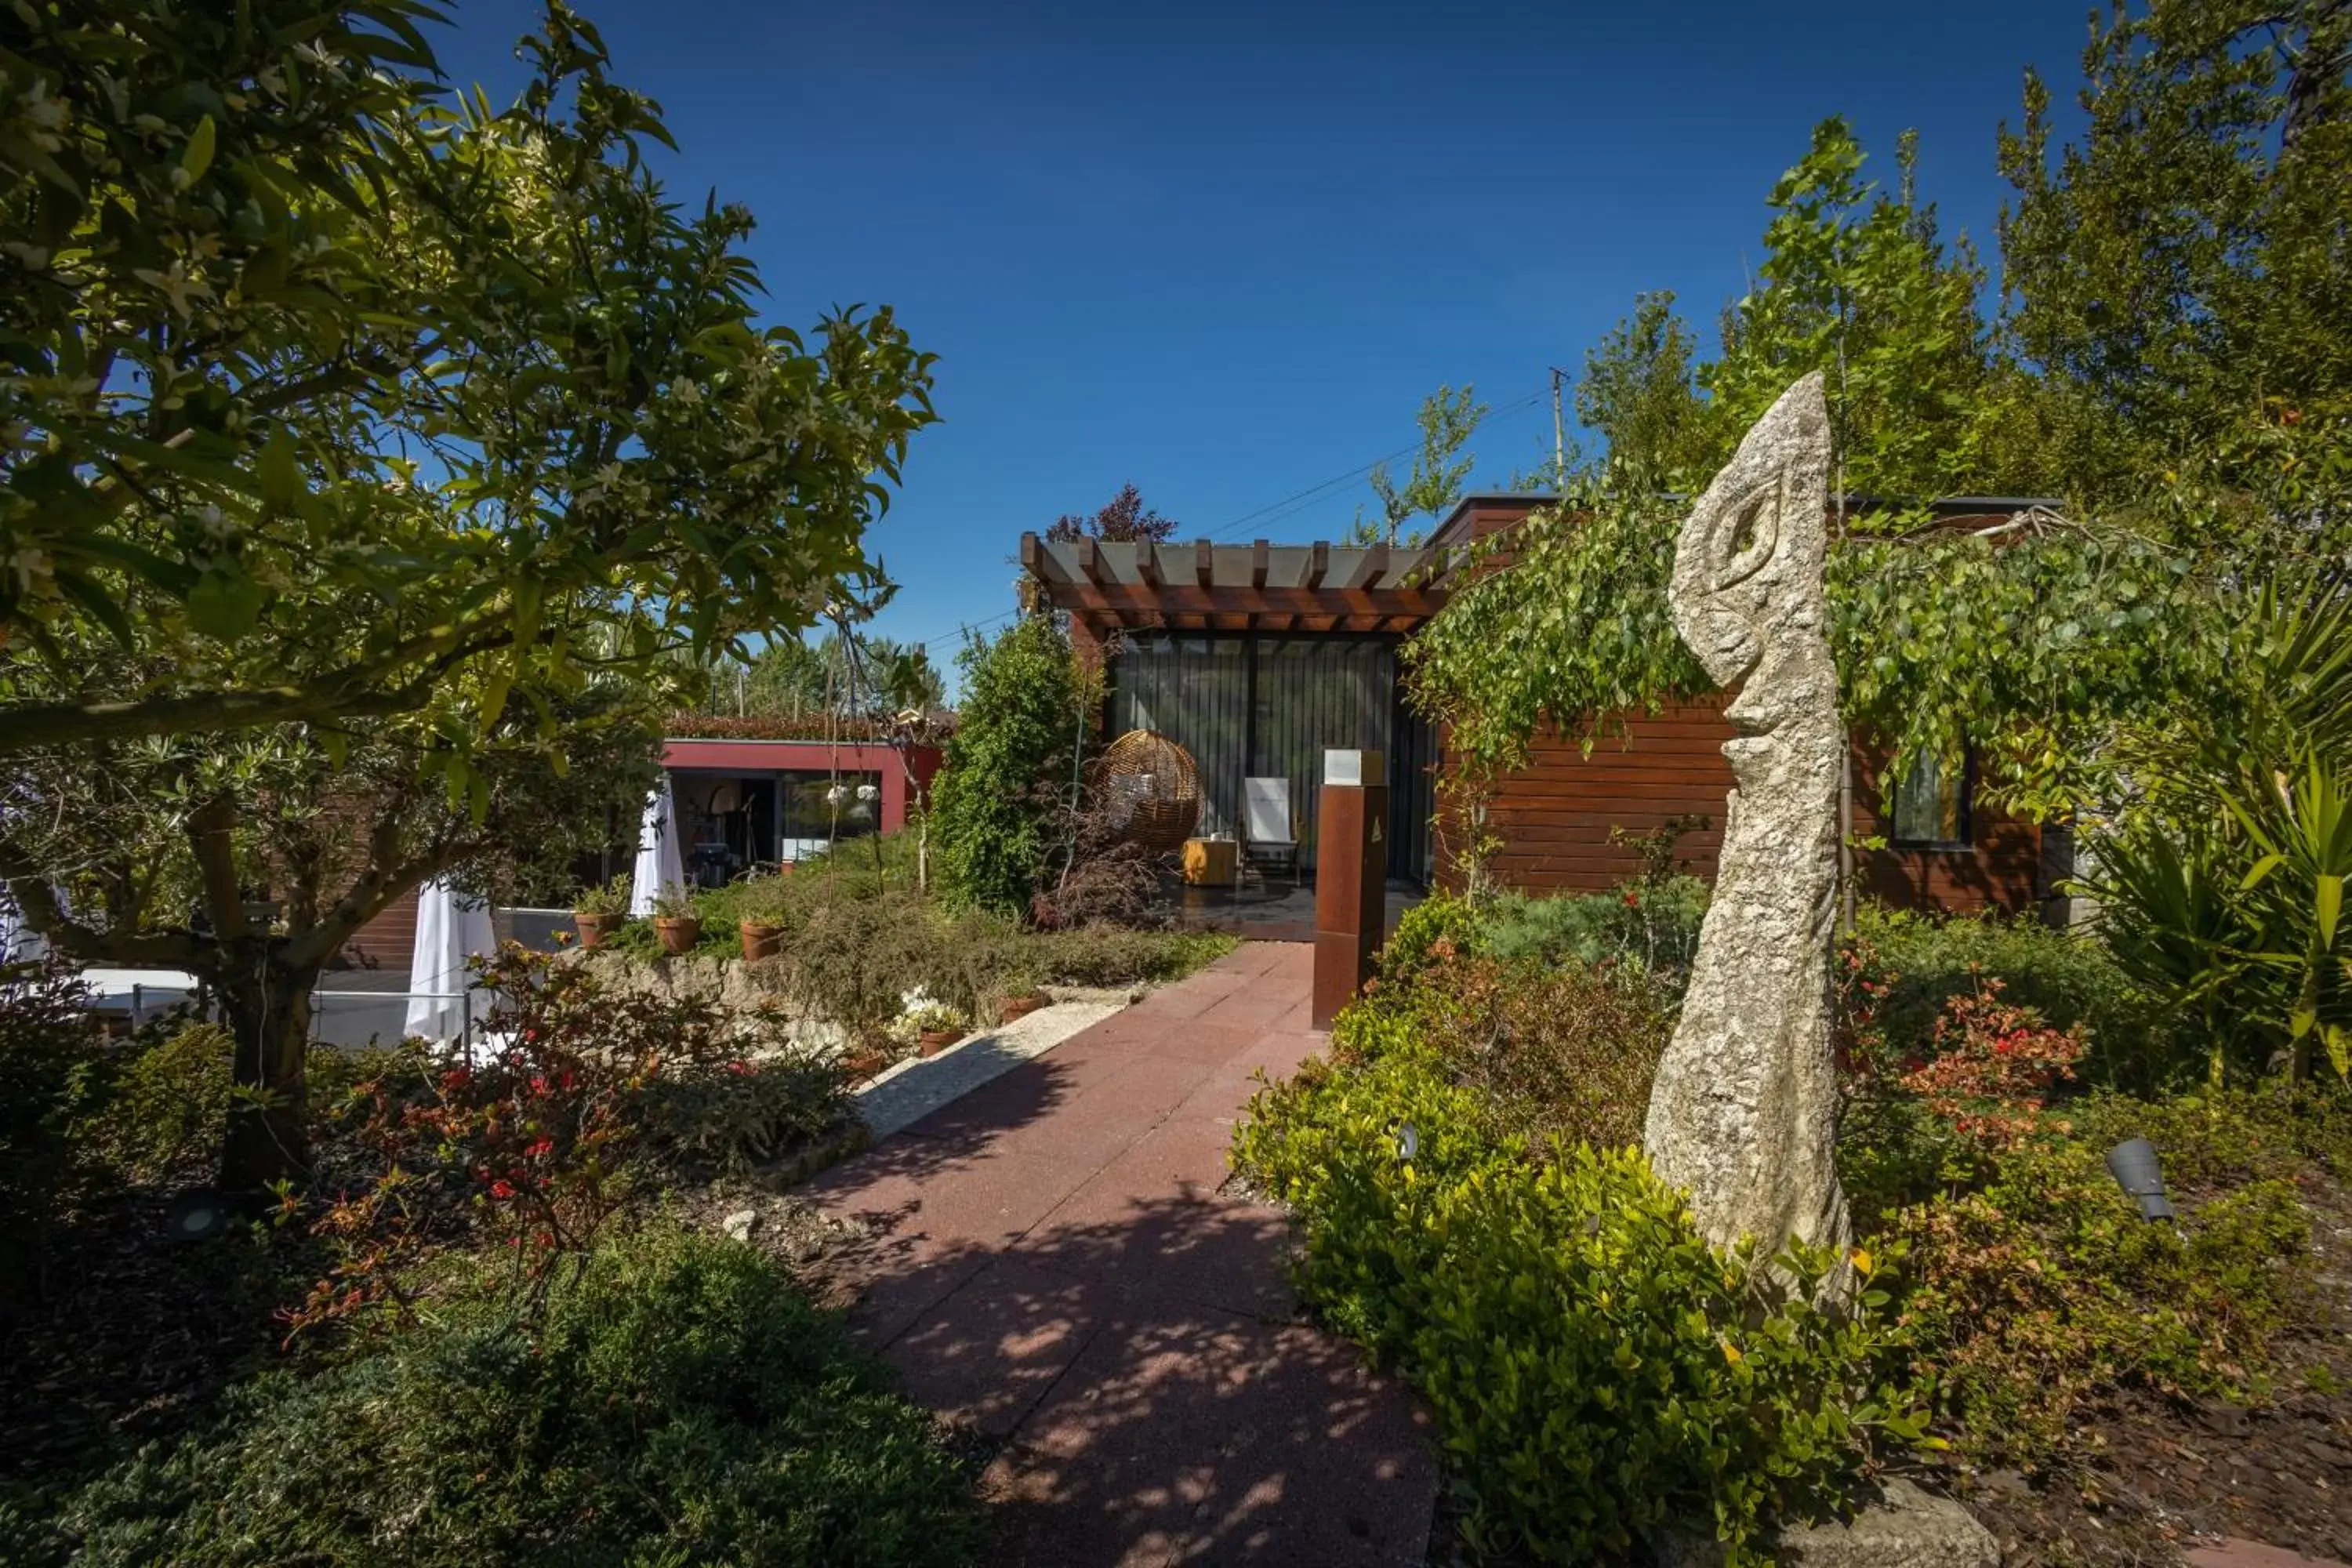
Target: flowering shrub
[1992,1068]
[536,1147]
[1924,1113]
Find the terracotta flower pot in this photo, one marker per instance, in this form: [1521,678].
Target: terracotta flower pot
[760,940]
[933,1041]
[678,934]
[1021,1007]
[594,928]
[861,1065]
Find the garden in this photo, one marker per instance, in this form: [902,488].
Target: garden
[381,468]
[2100,1365]
[545,1290]
[267,674]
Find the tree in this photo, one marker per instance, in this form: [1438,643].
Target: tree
[2181,276]
[788,678]
[1008,765]
[252,860]
[1638,393]
[2020,642]
[326,385]
[1124,517]
[1447,420]
[904,678]
[371,458]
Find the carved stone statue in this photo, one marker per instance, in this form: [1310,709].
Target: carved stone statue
[1744,1112]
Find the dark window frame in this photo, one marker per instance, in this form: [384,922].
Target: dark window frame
[1965,815]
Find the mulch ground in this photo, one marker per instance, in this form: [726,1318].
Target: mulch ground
[2162,1473]
[124,1336]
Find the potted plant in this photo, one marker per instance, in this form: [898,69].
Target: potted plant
[864,1062]
[600,912]
[936,1028]
[759,917]
[676,923]
[1023,995]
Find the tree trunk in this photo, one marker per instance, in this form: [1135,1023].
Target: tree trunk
[267,1006]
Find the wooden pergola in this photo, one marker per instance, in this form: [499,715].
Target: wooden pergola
[1112,586]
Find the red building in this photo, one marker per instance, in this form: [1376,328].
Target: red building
[742,801]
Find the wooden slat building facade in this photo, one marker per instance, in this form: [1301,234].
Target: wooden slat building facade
[1197,625]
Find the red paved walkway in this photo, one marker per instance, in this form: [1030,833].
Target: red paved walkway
[1053,1263]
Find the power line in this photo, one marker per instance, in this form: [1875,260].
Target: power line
[1289,505]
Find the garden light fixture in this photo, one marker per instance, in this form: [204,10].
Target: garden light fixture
[197,1215]
[2133,1165]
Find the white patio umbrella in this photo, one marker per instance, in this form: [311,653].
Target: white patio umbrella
[19,942]
[451,927]
[661,867]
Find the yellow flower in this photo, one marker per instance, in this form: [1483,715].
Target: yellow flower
[1861,1264]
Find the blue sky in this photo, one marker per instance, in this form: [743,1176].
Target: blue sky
[1224,251]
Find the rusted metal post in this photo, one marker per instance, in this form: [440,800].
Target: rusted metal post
[1351,871]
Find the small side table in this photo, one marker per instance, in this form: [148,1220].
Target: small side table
[1212,862]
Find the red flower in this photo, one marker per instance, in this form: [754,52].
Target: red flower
[539,1148]
[739,1068]
[502,1189]
[1632,900]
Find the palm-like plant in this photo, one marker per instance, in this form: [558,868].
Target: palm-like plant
[2224,892]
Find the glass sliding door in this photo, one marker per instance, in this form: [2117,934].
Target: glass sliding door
[1270,707]
[1316,694]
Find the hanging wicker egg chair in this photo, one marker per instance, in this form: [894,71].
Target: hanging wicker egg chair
[1151,788]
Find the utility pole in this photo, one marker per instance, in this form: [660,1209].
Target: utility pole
[1559,432]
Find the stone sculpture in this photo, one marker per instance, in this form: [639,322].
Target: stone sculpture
[1744,1112]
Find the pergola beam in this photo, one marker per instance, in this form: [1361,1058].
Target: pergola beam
[1039,561]
[1234,599]
[1369,567]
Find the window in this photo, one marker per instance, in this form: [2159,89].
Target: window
[813,817]
[1931,804]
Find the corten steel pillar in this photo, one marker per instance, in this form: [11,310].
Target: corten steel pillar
[1350,878]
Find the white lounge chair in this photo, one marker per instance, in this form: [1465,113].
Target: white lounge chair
[1268,834]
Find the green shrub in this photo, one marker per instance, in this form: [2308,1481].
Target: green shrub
[1565,1054]
[1007,765]
[1441,918]
[1597,1373]
[678,1402]
[2239,1134]
[169,1108]
[55,1072]
[862,867]
[2070,978]
[1648,927]
[701,1117]
[2045,1290]
[1114,955]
